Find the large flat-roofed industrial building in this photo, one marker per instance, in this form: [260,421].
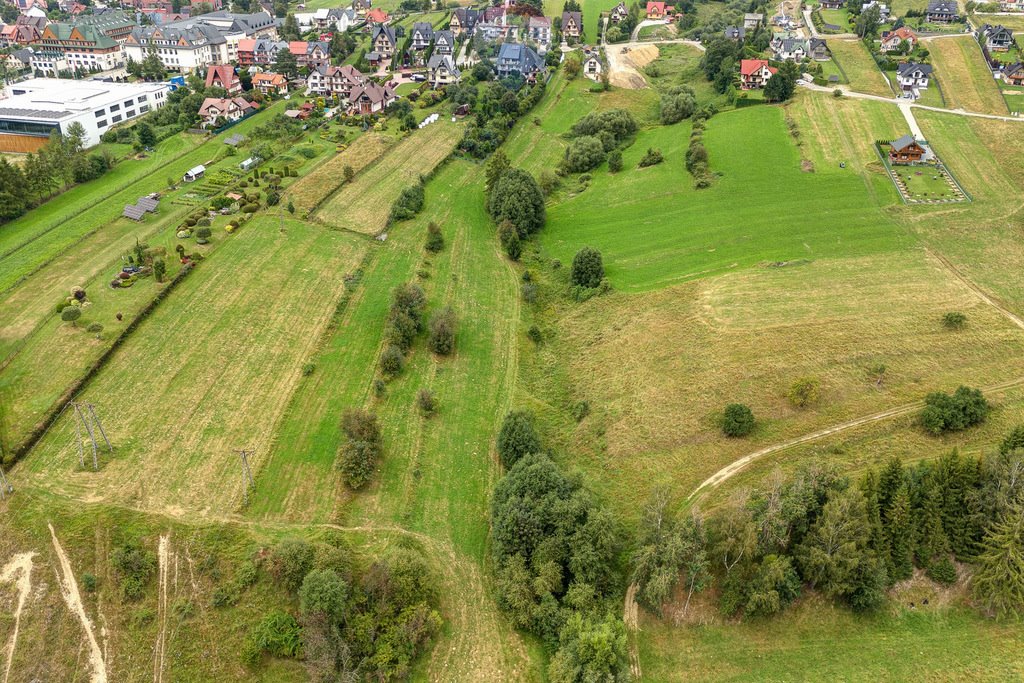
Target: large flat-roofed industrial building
[34,108]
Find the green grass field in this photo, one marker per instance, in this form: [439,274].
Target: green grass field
[654,229]
[966,81]
[860,68]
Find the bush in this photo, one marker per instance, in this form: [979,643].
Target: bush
[615,161]
[250,208]
[944,413]
[308,369]
[392,360]
[435,240]
[290,561]
[652,158]
[804,392]
[738,420]
[517,437]
[954,320]
[408,204]
[442,332]
[134,565]
[71,314]
[587,268]
[323,594]
[277,634]
[362,447]
[534,334]
[676,107]
[583,153]
[943,571]
[426,402]
[619,122]
[89,582]
[203,235]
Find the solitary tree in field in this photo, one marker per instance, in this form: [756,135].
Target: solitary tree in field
[738,420]
[587,268]
[362,446]
[71,314]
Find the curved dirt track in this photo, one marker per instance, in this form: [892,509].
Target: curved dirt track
[21,566]
[73,599]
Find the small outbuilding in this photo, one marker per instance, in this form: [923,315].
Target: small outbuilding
[194,173]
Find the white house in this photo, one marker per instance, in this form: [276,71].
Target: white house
[913,78]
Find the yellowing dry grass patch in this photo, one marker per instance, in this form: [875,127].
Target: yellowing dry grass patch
[364,204]
[313,188]
[658,368]
[966,82]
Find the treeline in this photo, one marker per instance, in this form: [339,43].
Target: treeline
[515,201]
[596,135]
[59,164]
[556,555]
[849,540]
[721,59]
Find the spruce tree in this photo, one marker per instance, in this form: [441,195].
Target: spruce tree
[932,543]
[889,482]
[999,568]
[900,532]
[877,540]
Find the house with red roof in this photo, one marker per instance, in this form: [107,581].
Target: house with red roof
[891,40]
[270,83]
[377,16]
[659,10]
[223,76]
[754,73]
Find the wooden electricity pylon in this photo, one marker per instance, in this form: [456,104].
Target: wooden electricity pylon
[80,420]
[243,455]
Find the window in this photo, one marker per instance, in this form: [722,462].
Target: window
[115,119]
[115,107]
[100,113]
[101,123]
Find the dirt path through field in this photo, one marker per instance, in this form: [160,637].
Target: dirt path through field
[21,566]
[73,599]
[160,648]
[631,616]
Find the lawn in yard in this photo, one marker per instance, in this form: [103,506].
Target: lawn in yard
[194,381]
[860,67]
[364,204]
[924,182]
[966,80]
[838,17]
[831,72]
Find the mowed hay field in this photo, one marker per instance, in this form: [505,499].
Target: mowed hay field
[654,229]
[981,238]
[658,368]
[312,189]
[210,371]
[364,204]
[966,82]
[860,67]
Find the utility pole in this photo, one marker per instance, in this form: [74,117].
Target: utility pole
[246,474]
[5,487]
[99,425]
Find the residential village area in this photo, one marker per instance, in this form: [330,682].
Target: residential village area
[541,340]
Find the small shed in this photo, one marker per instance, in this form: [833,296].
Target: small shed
[249,164]
[194,173]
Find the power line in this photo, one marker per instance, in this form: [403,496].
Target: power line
[243,456]
[89,422]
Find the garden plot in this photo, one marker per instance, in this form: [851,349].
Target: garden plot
[208,372]
[926,183]
[364,204]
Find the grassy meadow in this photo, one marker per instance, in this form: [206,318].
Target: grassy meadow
[363,205]
[966,81]
[654,229]
[308,192]
[860,67]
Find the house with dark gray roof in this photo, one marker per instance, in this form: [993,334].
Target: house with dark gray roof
[912,78]
[994,38]
[517,58]
[942,12]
